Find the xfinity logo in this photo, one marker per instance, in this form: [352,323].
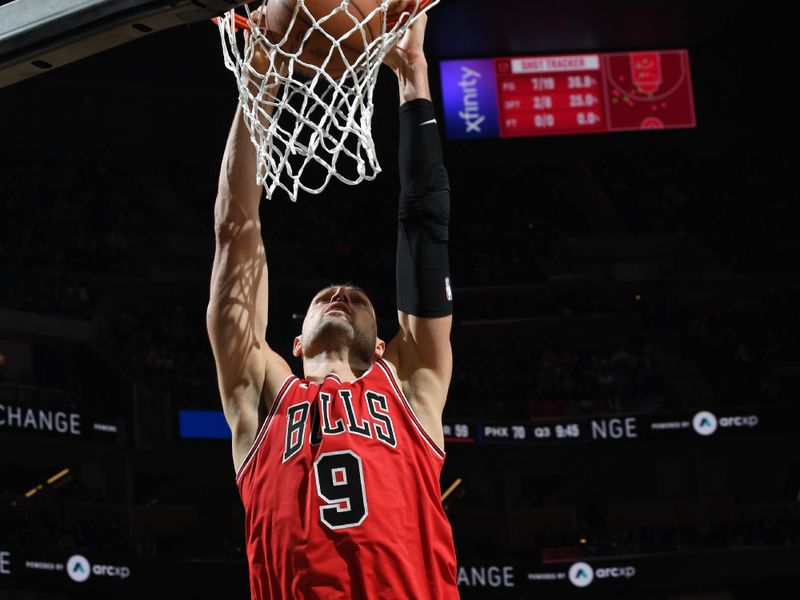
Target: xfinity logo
[705,423]
[582,574]
[79,569]
[469,88]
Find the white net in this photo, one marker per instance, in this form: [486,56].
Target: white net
[307,98]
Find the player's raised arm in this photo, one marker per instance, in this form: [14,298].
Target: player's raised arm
[421,350]
[248,371]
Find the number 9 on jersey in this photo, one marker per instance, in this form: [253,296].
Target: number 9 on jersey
[340,484]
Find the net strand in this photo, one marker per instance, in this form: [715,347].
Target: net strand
[300,117]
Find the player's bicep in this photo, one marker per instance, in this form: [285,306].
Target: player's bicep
[433,334]
[431,341]
[236,317]
[423,356]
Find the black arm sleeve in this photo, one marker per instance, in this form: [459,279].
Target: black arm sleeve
[423,273]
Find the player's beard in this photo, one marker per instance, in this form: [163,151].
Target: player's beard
[335,334]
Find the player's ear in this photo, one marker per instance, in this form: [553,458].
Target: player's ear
[380,348]
[297,346]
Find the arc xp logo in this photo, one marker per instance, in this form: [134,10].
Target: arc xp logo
[704,423]
[78,568]
[581,574]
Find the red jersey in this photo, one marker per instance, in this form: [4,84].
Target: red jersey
[342,498]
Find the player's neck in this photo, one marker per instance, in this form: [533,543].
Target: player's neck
[343,366]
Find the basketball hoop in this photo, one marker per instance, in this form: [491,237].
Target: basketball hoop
[309,113]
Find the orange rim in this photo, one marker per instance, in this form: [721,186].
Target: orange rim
[240,21]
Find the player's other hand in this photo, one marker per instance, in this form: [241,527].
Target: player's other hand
[408,51]
[397,7]
[261,56]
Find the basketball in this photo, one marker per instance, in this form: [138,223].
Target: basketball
[342,26]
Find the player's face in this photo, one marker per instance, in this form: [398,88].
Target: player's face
[340,315]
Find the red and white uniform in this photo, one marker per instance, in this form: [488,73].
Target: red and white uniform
[342,498]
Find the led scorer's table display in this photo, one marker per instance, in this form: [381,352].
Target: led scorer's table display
[576,93]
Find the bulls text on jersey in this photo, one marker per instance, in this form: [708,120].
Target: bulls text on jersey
[377,426]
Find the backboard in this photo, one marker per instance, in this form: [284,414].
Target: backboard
[37,36]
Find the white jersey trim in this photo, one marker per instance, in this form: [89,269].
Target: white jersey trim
[282,391]
[387,369]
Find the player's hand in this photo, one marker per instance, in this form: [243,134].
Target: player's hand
[397,7]
[408,51]
[261,53]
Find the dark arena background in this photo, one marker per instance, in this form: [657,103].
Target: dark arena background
[622,420]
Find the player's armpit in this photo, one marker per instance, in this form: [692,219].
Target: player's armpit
[423,357]
[247,405]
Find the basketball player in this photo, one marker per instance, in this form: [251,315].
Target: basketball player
[339,471]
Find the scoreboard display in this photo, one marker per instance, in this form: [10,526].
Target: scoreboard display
[567,94]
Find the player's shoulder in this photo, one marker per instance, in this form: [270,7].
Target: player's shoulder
[277,373]
[385,364]
[385,371]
